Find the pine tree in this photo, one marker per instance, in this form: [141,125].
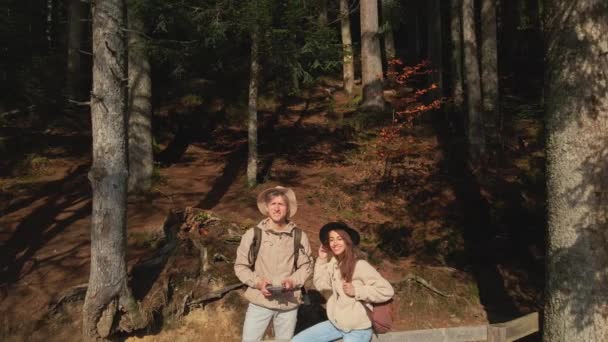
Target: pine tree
[577,171]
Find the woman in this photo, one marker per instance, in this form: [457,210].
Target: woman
[276,263]
[354,283]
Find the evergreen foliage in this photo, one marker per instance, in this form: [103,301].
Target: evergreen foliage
[209,39]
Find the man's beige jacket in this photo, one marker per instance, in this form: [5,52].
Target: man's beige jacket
[274,263]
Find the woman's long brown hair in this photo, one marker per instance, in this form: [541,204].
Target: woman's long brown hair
[348,259]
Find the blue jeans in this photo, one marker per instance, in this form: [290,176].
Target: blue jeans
[326,331]
[258,317]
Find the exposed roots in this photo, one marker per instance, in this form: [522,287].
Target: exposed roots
[183,273]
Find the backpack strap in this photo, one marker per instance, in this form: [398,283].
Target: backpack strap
[254,248]
[297,245]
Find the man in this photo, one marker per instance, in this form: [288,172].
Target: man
[273,260]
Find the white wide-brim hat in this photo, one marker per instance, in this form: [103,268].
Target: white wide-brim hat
[291,197]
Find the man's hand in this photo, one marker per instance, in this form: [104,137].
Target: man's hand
[261,285]
[287,284]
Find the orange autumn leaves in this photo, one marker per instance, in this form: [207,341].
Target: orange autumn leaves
[413,102]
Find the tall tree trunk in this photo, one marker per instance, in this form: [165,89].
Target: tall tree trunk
[348,66]
[489,72]
[141,159]
[413,32]
[73,77]
[388,7]
[108,175]
[576,294]
[434,46]
[508,30]
[50,25]
[390,51]
[252,163]
[456,35]
[389,43]
[371,57]
[475,132]
[322,19]
[535,13]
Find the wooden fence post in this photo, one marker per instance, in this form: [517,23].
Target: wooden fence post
[497,334]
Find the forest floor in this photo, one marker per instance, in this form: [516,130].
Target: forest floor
[421,214]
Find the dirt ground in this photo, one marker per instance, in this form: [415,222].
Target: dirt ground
[419,215]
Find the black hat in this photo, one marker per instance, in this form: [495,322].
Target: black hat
[324,233]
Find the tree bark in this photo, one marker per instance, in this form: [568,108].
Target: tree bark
[371,57]
[489,72]
[252,162]
[509,15]
[141,159]
[322,19]
[348,66]
[73,77]
[456,35]
[475,132]
[50,22]
[388,7]
[390,51]
[577,171]
[108,175]
[434,47]
[414,31]
[389,44]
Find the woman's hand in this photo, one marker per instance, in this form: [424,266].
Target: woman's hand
[349,289]
[323,253]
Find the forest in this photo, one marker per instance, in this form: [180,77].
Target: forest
[465,140]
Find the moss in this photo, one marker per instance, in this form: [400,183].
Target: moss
[202,216]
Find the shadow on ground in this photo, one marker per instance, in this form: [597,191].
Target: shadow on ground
[484,245]
[43,223]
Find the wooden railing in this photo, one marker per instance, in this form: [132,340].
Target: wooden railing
[501,332]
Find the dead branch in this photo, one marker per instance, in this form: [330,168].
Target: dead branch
[18,111]
[80,103]
[220,257]
[214,295]
[181,310]
[423,282]
[234,240]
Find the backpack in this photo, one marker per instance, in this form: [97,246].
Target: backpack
[254,249]
[381,316]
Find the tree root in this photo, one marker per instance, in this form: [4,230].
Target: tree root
[195,244]
[133,317]
[72,294]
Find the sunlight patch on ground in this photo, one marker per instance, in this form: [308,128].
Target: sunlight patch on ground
[215,323]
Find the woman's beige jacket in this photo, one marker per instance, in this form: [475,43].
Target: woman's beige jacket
[345,312]
[275,263]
